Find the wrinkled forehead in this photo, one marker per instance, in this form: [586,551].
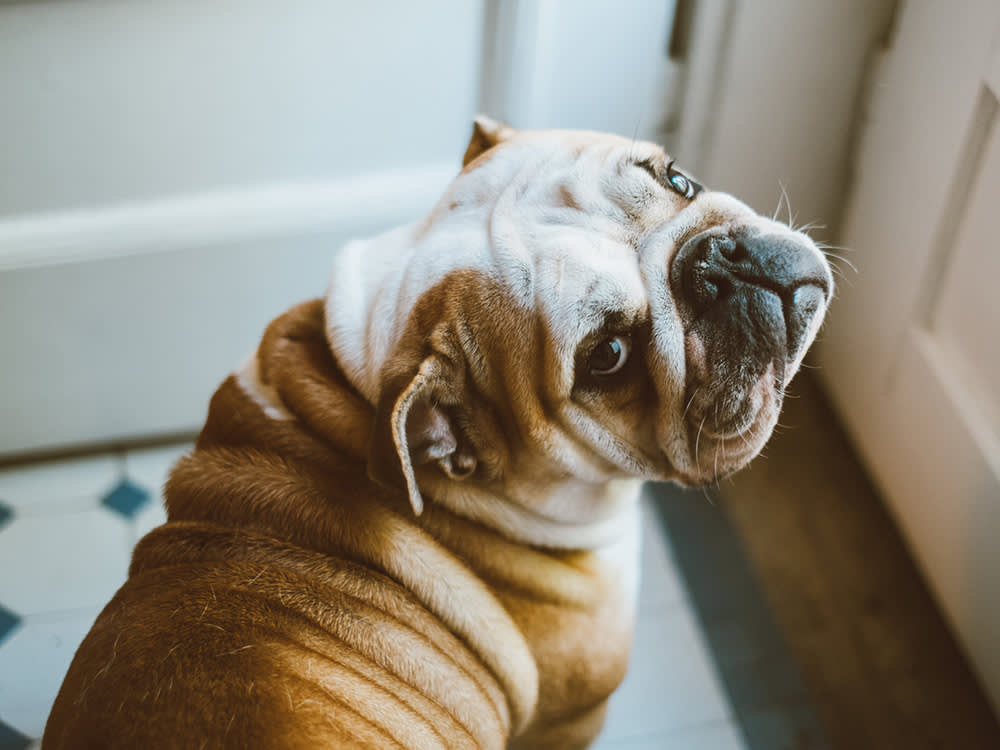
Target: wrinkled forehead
[581,143]
[563,212]
[575,228]
[566,212]
[582,153]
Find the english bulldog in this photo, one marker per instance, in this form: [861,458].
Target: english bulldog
[410,520]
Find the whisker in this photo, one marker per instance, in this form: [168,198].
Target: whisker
[690,401]
[715,460]
[697,440]
[840,258]
[842,277]
[707,496]
[788,204]
[826,247]
[782,197]
[810,226]
[837,270]
[635,136]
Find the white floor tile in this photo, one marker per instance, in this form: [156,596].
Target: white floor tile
[60,562]
[715,736]
[149,467]
[148,518]
[58,486]
[660,586]
[724,736]
[670,700]
[33,662]
[671,683]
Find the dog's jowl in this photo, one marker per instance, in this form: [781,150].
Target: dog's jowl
[410,519]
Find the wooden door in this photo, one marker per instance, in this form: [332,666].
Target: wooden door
[911,352]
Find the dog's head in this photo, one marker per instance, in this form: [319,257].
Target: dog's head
[576,309]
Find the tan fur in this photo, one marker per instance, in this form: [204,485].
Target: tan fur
[486,133]
[409,520]
[312,606]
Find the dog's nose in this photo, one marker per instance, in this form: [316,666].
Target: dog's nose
[720,267]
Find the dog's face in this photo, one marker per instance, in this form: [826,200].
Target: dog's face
[576,309]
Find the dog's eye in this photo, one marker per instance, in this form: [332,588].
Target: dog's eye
[609,356]
[674,179]
[681,183]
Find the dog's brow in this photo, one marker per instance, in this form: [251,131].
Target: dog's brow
[648,164]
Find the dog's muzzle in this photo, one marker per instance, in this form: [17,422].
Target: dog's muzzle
[772,286]
[751,303]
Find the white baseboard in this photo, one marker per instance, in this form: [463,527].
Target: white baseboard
[221,217]
[117,324]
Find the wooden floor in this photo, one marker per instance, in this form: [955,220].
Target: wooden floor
[881,667]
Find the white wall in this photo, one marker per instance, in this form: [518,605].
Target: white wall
[766,94]
[587,64]
[786,103]
[175,174]
[117,100]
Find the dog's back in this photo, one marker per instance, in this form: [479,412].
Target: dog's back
[291,603]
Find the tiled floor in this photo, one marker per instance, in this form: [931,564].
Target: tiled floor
[66,532]
[672,698]
[67,529]
[767,693]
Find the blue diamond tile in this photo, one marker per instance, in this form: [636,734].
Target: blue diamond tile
[8,622]
[11,739]
[5,514]
[127,499]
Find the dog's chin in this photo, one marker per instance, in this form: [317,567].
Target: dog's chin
[727,420]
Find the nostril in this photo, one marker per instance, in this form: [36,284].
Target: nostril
[801,309]
[730,248]
[706,283]
[724,287]
[710,269]
[739,253]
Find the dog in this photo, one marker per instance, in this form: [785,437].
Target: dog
[411,517]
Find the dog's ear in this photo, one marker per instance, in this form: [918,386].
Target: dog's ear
[486,133]
[414,427]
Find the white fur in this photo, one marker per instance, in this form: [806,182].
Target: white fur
[610,247]
[622,556]
[248,378]
[375,283]
[655,254]
[589,517]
